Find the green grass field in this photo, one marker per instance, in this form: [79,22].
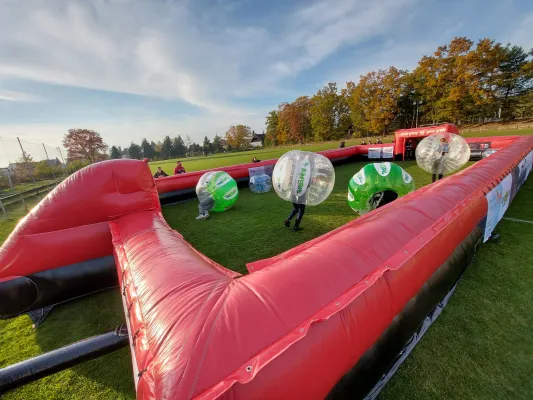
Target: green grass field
[480,347]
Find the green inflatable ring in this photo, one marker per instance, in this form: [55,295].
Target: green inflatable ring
[377,184]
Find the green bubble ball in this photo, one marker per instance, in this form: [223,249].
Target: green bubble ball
[221,187]
[367,187]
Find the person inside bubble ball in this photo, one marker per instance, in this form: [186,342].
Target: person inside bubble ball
[438,166]
[204,207]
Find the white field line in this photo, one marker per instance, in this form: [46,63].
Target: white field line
[518,220]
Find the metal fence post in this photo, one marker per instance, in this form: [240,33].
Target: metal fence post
[3,208]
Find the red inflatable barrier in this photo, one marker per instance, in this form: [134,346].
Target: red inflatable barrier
[303,324]
[294,327]
[71,224]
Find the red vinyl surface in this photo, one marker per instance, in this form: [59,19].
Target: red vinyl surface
[290,329]
[301,320]
[70,225]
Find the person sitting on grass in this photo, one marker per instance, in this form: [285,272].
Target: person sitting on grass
[179,169]
[205,205]
[255,160]
[379,141]
[160,173]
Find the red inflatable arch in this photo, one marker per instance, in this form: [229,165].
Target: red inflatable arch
[326,319]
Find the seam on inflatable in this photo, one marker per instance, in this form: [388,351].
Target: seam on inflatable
[226,294]
[209,296]
[132,282]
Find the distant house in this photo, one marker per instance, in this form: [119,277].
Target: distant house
[257,140]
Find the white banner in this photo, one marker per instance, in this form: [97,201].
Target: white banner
[524,168]
[387,152]
[498,199]
[374,153]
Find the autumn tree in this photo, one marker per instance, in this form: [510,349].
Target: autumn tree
[166,147]
[115,153]
[374,101]
[147,150]
[135,151]
[271,128]
[330,117]
[239,136]
[84,144]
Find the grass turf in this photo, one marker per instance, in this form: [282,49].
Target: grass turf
[479,348]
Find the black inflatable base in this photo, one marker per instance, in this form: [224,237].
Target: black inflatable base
[375,364]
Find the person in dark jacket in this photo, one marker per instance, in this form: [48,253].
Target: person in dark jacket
[179,169]
[160,173]
[379,141]
[255,160]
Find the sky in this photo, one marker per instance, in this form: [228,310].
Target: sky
[131,69]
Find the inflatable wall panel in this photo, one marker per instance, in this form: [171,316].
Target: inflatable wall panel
[324,319]
[69,228]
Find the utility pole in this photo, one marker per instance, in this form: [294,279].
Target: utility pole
[45,152]
[25,162]
[64,163]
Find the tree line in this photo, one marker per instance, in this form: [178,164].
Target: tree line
[237,138]
[462,82]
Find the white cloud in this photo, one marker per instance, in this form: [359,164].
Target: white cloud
[163,49]
[11,95]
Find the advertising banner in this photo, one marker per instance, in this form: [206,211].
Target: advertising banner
[478,148]
[374,153]
[387,152]
[498,199]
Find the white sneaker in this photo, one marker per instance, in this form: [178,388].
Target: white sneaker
[206,216]
[200,217]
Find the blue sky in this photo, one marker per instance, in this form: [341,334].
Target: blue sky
[137,68]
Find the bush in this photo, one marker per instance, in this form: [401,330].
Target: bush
[76,165]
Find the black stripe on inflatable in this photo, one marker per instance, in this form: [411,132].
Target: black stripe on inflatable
[378,360]
[46,288]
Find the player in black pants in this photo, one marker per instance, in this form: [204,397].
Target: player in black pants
[297,209]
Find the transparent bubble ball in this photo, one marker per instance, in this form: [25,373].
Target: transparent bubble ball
[303,177]
[442,153]
[261,183]
[220,187]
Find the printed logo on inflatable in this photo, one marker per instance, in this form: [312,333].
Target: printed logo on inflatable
[303,177]
[406,177]
[224,179]
[350,196]
[360,177]
[230,194]
[383,168]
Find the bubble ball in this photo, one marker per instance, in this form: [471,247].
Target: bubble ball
[261,183]
[432,157]
[378,184]
[220,187]
[304,178]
